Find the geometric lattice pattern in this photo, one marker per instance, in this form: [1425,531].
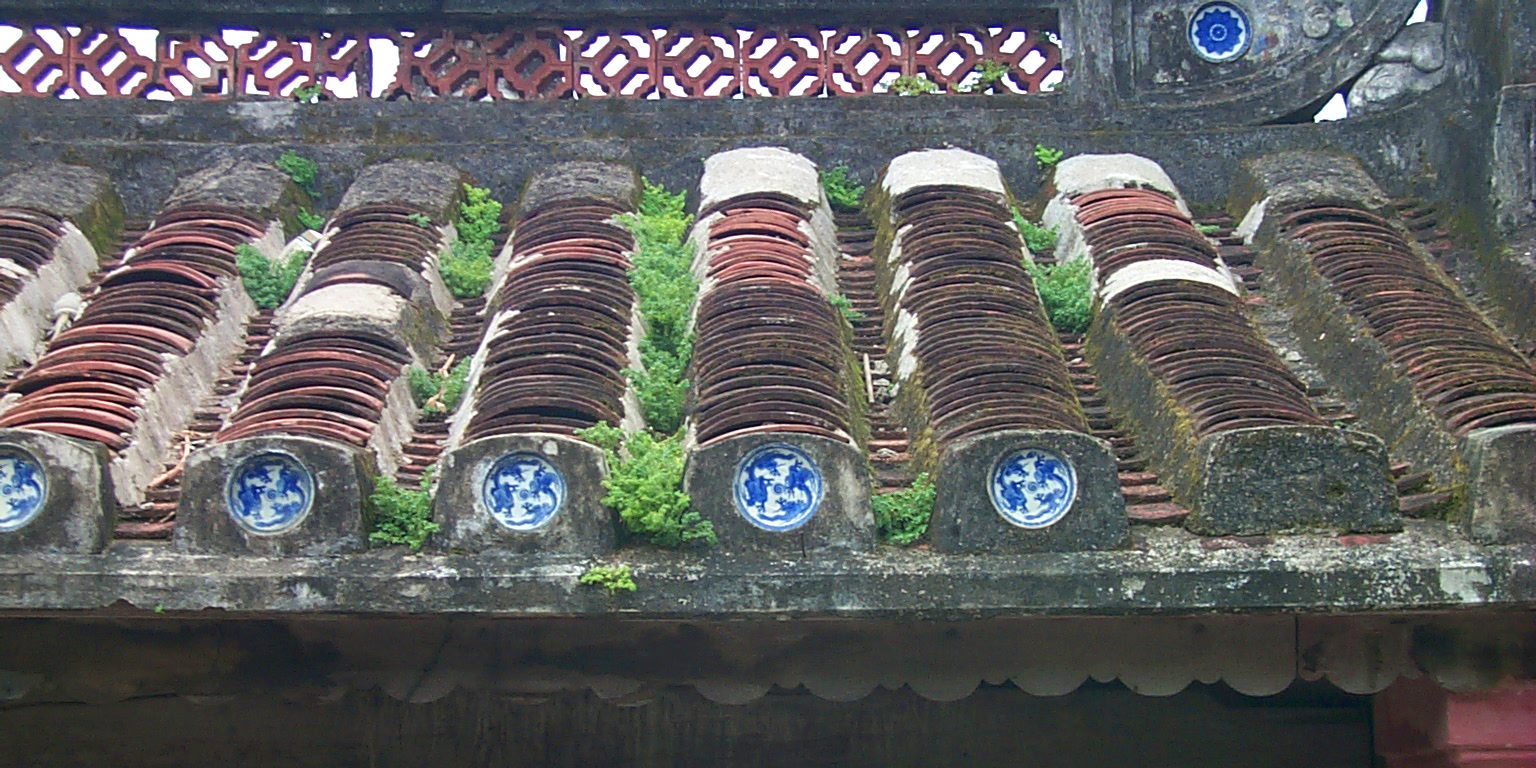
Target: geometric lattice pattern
[635,60]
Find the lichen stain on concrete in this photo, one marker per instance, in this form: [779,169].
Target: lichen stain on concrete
[1468,584]
[268,115]
[1132,586]
[307,597]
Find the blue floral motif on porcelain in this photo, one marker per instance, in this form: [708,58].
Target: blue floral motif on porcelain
[777,487]
[1033,488]
[23,489]
[269,493]
[522,491]
[1220,32]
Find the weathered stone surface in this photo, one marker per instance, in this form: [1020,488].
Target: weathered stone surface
[965,520]
[1284,180]
[1501,484]
[342,308]
[758,170]
[582,179]
[78,508]
[1513,161]
[433,187]
[258,188]
[842,522]
[1263,480]
[1390,85]
[582,525]
[336,522]
[82,195]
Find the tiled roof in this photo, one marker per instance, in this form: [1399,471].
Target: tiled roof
[171,406]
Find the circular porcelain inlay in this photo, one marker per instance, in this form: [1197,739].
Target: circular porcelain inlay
[23,489]
[1033,488]
[522,491]
[269,493]
[777,487]
[1220,32]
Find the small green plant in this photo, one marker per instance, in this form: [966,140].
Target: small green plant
[1056,87]
[614,578]
[662,276]
[989,74]
[309,219]
[845,306]
[645,486]
[466,268]
[421,220]
[1208,229]
[843,193]
[438,391]
[268,282]
[401,516]
[913,85]
[1047,157]
[1041,241]
[1065,292]
[308,93]
[902,516]
[300,169]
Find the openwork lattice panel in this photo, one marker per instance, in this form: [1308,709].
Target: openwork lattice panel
[633,61]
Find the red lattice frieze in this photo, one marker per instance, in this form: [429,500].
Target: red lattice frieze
[862,60]
[635,61]
[511,64]
[616,61]
[784,62]
[698,62]
[276,65]
[78,62]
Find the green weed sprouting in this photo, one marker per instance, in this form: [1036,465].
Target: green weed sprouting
[1047,157]
[662,276]
[645,486]
[1041,241]
[421,220]
[268,282]
[614,578]
[466,268]
[301,170]
[913,85]
[438,391]
[1066,292]
[843,193]
[1208,229]
[309,93]
[989,73]
[845,306]
[401,516]
[309,219]
[902,516]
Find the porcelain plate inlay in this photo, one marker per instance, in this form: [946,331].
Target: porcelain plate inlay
[1220,32]
[269,493]
[777,487]
[1033,488]
[522,491]
[23,489]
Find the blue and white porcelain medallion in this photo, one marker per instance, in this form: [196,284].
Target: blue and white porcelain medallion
[23,489]
[1033,488]
[1220,32]
[522,491]
[269,493]
[777,487]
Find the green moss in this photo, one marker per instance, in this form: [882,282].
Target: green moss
[843,193]
[301,170]
[268,282]
[466,268]
[438,391]
[401,516]
[845,306]
[1066,293]
[1041,241]
[913,85]
[614,578]
[989,75]
[309,219]
[902,516]
[645,486]
[662,276]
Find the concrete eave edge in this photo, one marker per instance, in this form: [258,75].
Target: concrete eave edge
[1166,572]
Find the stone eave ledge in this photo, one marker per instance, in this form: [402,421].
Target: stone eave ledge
[1167,572]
